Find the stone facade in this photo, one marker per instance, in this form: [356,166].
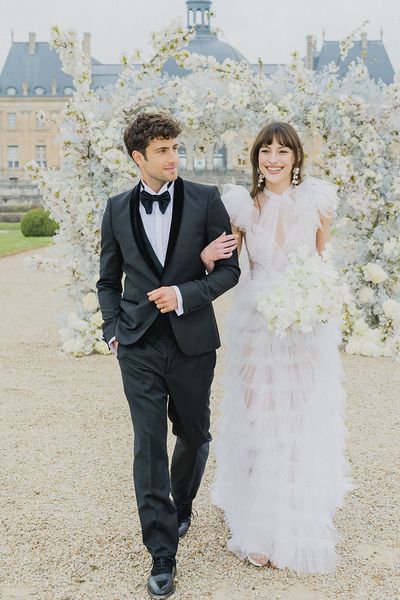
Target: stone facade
[29,130]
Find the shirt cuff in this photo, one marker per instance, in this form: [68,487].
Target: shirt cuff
[179,309]
[111,346]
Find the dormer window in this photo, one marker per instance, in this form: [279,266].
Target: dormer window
[11,91]
[39,90]
[68,91]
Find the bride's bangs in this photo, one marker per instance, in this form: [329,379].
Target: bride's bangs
[280,133]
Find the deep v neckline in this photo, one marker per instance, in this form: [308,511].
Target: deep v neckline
[278,238]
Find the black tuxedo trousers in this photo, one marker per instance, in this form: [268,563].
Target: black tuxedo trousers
[158,381]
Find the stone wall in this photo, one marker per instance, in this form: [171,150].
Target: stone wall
[22,193]
[16,198]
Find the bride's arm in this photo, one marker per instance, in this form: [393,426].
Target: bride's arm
[239,235]
[220,248]
[324,233]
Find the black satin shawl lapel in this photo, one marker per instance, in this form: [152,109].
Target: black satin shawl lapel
[176,219]
[138,231]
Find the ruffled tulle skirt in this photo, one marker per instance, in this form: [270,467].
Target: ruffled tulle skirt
[281,468]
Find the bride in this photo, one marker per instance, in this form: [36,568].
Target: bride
[281,469]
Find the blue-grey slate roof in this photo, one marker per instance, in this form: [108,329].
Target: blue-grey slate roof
[377,59]
[207,44]
[37,69]
[103,75]
[40,68]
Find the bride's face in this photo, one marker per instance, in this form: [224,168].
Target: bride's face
[275,163]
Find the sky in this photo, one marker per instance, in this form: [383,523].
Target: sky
[270,29]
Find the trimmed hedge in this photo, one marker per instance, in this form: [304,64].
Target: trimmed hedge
[17,208]
[11,217]
[37,223]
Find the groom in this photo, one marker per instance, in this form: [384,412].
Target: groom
[162,325]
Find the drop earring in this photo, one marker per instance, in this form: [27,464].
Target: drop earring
[295,178]
[261,178]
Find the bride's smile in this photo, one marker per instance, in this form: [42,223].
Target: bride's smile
[276,165]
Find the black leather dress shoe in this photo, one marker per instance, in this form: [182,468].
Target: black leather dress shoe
[183,526]
[184,513]
[161,583]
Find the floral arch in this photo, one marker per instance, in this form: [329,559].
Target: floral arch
[351,129]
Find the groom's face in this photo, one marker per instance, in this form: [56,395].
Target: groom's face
[160,161]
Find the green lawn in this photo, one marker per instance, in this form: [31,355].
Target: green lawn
[12,241]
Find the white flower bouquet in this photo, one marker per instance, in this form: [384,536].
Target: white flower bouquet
[309,294]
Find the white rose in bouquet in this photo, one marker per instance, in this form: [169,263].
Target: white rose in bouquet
[309,294]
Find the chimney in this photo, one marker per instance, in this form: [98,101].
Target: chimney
[310,52]
[86,44]
[32,43]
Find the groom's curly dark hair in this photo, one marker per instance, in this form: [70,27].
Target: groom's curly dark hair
[147,127]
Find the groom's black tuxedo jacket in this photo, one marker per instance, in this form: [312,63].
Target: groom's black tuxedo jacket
[198,217]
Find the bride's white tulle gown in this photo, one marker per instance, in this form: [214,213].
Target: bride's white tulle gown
[281,468]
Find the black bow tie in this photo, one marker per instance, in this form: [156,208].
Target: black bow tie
[147,200]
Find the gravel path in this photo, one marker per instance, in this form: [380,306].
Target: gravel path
[68,524]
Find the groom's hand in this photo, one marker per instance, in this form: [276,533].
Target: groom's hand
[164,298]
[114,346]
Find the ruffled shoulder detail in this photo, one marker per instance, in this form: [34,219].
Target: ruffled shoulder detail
[323,194]
[239,204]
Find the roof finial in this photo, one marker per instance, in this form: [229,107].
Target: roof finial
[323,34]
[12,36]
[381,33]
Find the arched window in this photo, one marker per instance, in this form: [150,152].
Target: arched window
[39,90]
[68,91]
[219,157]
[199,16]
[11,91]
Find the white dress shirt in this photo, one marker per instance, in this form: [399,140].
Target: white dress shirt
[157,227]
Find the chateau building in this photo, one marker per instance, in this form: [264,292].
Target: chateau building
[34,91]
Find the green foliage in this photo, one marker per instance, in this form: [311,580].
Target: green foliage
[37,223]
[12,241]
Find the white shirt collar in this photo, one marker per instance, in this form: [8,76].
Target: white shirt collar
[168,186]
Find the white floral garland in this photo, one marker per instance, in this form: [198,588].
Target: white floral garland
[354,122]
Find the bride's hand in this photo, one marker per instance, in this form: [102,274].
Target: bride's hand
[220,248]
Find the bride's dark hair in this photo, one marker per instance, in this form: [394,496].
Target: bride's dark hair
[287,136]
